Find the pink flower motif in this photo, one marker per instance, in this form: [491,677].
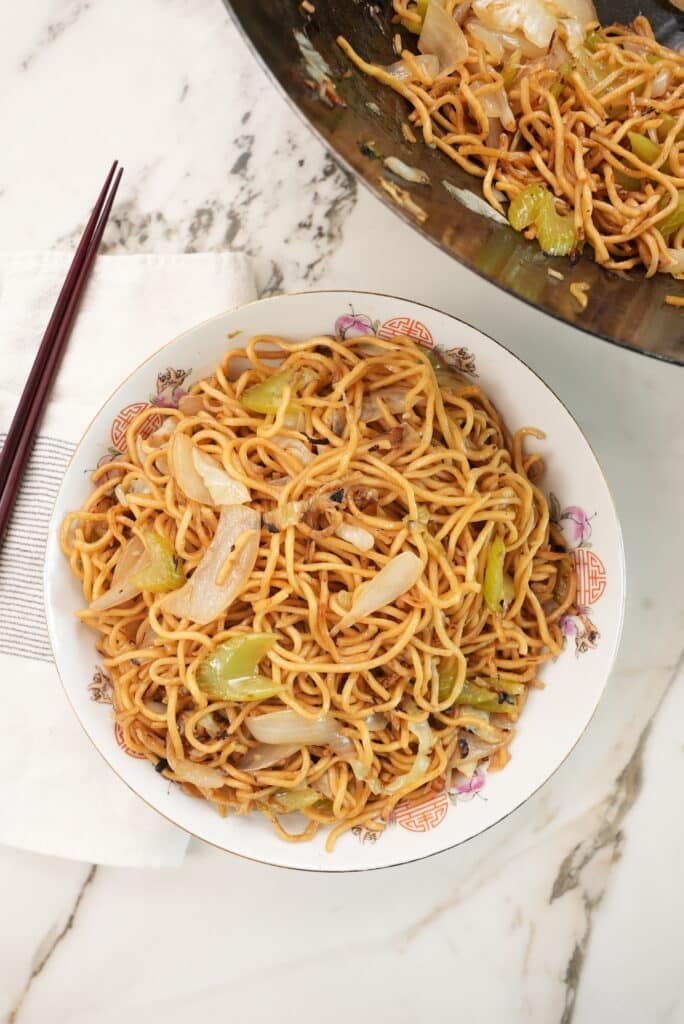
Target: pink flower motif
[170,398]
[568,625]
[580,529]
[467,788]
[354,324]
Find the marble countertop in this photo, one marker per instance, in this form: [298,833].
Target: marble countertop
[583,922]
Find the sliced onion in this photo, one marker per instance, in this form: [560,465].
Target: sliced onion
[661,83]
[224,490]
[394,398]
[361,772]
[495,104]
[184,470]
[342,746]
[323,785]
[376,722]
[412,778]
[199,775]
[427,62]
[200,599]
[405,171]
[156,707]
[673,263]
[264,755]
[211,725]
[356,535]
[298,448]
[442,36]
[133,557]
[289,727]
[190,405]
[201,477]
[394,579]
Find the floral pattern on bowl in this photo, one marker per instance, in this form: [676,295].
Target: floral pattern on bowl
[575,524]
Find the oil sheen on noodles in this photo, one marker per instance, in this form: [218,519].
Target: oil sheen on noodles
[326,583]
[576,131]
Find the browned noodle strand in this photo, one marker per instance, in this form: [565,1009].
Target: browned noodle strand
[440,478]
[570,133]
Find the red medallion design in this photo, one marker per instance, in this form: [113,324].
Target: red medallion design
[591,576]
[119,736]
[126,416]
[406,325]
[425,816]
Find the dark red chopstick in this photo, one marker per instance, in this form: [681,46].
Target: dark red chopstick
[21,434]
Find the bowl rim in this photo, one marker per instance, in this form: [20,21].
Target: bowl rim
[53,528]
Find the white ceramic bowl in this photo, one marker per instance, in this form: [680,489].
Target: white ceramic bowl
[554,718]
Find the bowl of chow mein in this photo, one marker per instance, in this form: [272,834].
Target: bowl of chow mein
[540,143]
[345,592]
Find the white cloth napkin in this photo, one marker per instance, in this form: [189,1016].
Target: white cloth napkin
[57,796]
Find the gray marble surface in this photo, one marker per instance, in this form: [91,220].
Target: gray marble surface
[569,911]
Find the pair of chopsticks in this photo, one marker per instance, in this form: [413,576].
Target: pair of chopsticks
[22,431]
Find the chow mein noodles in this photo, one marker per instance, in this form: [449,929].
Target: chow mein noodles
[575,130]
[326,583]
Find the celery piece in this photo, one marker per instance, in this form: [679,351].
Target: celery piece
[228,673]
[420,9]
[162,573]
[296,799]
[266,397]
[524,208]
[493,587]
[674,220]
[555,231]
[593,41]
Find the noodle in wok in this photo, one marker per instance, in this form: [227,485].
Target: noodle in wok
[576,131]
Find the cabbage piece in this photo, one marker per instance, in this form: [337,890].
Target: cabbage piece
[532,17]
[413,778]
[442,36]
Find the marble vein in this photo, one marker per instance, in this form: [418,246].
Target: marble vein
[48,946]
[55,29]
[588,865]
